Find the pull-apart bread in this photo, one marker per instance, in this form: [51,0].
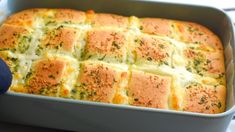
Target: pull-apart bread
[147,62]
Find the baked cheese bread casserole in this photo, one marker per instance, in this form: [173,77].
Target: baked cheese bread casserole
[148,62]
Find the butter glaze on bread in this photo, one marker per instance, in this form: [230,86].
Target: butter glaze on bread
[147,62]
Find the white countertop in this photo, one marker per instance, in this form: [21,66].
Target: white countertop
[216,3]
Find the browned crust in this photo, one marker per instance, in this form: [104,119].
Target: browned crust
[28,17]
[149,90]
[98,82]
[10,36]
[45,77]
[153,49]
[216,65]
[106,42]
[104,19]
[23,18]
[156,26]
[61,38]
[204,99]
[206,64]
[197,34]
[69,15]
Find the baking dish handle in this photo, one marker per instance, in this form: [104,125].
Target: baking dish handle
[5,77]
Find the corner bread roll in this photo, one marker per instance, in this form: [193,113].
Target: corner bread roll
[204,98]
[109,58]
[50,75]
[16,39]
[46,17]
[196,34]
[26,18]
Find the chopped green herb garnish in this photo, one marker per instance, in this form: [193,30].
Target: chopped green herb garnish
[161,46]
[74,91]
[149,59]
[202,100]
[219,105]
[189,69]
[51,76]
[28,75]
[68,22]
[50,22]
[166,63]
[115,44]
[196,62]
[82,95]
[221,75]
[200,34]
[208,61]
[102,58]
